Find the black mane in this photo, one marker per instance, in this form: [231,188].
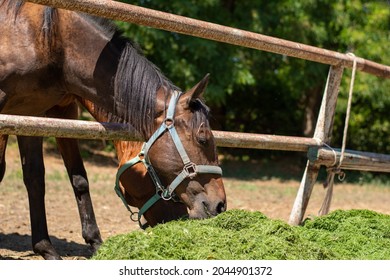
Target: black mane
[136,83]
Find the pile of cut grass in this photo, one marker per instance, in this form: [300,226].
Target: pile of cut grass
[244,235]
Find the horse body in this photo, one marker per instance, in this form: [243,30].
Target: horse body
[51,57]
[33,82]
[42,64]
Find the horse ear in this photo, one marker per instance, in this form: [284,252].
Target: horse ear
[198,90]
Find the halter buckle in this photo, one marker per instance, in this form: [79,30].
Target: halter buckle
[190,169]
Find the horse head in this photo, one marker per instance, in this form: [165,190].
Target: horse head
[178,162]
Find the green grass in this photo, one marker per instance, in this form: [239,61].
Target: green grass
[239,234]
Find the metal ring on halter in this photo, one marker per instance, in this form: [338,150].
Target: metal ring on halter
[165,195]
[132,215]
[169,122]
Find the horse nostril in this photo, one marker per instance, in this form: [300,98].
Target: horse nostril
[211,211]
[221,207]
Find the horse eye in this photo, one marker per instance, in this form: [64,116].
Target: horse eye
[158,114]
[202,140]
[201,135]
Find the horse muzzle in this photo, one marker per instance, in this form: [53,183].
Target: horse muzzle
[205,201]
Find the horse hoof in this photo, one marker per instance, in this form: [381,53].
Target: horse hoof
[95,247]
[46,250]
[52,257]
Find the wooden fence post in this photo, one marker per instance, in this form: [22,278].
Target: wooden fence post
[322,133]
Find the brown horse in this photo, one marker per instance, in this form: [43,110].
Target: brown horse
[50,57]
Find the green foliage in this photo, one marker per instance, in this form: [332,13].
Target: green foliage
[254,91]
[239,234]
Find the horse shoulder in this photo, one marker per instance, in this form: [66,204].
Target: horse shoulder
[20,48]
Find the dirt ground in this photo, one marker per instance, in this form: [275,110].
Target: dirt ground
[272,196]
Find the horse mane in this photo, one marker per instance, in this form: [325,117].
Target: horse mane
[135,87]
[136,81]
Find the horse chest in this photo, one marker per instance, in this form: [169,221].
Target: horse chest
[31,94]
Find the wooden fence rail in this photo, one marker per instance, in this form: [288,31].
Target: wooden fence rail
[45,127]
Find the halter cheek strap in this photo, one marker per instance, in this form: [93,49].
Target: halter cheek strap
[190,169]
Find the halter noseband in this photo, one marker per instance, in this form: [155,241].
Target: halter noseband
[190,169]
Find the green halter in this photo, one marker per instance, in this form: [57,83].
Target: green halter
[190,169]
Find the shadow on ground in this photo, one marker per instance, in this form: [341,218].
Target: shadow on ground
[22,243]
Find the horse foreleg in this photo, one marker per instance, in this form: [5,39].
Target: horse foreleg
[3,146]
[33,176]
[70,152]
[3,138]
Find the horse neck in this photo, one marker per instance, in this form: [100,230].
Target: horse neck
[125,150]
[114,74]
[86,46]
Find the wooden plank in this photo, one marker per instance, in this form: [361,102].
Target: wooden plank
[353,160]
[305,189]
[45,127]
[202,29]
[263,141]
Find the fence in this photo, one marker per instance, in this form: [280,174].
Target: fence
[319,153]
